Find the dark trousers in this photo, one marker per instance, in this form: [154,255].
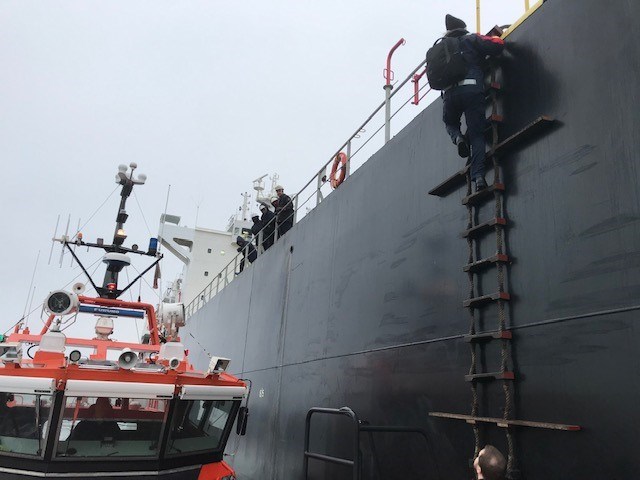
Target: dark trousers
[469,100]
[285,226]
[267,239]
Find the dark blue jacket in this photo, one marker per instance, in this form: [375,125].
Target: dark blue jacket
[268,228]
[249,252]
[475,49]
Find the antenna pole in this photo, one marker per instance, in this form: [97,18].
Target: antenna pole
[274,182]
[164,218]
[478,16]
[33,293]
[66,234]
[53,240]
[33,276]
[245,205]
[115,266]
[157,280]
[127,188]
[75,236]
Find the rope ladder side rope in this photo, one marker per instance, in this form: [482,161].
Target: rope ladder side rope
[479,337]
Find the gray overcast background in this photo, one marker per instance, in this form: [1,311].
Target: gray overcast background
[203,95]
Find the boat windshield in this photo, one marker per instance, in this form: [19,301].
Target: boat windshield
[198,425]
[110,426]
[23,423]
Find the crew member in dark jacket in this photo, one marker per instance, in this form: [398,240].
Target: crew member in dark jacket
[468,97]
[255,229]
[268,226]
[284,211]
[248,251]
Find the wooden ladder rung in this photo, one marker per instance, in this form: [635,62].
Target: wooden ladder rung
[478,197]
[501,422]
[485,262]
[490,376]
[492,297]
[450,184]
[483,227]
[458,179]
[524,133]
[486,336]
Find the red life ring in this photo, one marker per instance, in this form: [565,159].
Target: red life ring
[338,170]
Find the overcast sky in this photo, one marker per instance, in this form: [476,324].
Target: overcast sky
[204,95]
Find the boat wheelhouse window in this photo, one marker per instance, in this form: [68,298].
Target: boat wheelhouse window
[24,420]
[198,425]
[110,426]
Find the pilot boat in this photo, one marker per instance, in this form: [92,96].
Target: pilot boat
[97,407]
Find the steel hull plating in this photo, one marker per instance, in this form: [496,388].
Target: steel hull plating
[360,304]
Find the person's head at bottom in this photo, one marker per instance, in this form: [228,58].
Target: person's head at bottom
[490,464]
[102,408]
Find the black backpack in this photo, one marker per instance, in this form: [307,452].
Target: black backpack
[445,63]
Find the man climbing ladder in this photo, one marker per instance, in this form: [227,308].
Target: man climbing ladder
[454,65]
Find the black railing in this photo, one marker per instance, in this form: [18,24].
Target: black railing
[358,427]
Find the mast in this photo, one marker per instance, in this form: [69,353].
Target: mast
[115,258]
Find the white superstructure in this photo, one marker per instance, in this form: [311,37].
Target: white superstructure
[204,252]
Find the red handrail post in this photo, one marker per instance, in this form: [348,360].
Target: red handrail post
[387,89]
[388,72]
[416,86]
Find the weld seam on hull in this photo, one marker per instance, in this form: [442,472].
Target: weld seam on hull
[452,337]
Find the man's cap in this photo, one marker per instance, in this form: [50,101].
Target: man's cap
[254,216]
[279,187]
[263,206]
[453,23]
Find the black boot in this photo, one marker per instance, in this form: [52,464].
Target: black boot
[481,183]
[463,146]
